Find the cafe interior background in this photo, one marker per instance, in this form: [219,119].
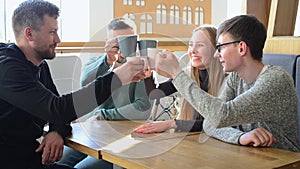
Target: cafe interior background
[82,26]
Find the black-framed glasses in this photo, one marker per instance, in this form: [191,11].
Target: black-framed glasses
[218,47]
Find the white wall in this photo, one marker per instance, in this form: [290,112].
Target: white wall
[219,11]
[75,26]
[101,12]
[235,7]
[224,9]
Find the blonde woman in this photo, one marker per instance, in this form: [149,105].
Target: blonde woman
[204,69]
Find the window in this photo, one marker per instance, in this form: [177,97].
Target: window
[68,31]
[174,14]
[2,22]
[132,18]
[127,2]
[71,31]
[9,6]
[187,15]
[129,16]
[199,16]
[161,14]
[146,24]
[140,2]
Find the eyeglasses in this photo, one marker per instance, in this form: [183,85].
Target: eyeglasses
[218,47]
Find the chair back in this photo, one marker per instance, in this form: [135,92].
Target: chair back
[66,71]
[297,81]
[291,63]
[287,61]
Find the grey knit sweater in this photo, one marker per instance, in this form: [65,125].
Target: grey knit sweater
[269,102]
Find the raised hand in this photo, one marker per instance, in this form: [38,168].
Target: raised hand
[131,71]
[166,64]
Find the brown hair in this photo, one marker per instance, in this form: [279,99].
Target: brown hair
[246,28]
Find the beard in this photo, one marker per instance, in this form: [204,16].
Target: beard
[48,53]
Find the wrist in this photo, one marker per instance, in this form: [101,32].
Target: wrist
[173,124]
[239,139]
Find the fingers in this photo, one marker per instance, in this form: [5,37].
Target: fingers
[166,64]
[138,77]
[145,128]
[51,154]
[93,118]
[146,63]
[266,137]
[112,50]
[46,151]
[263,138]
[257,137]
[111,43]
[148,73]
[55,155]
[153,127]
[45,155]
[131,71]
[52,146]
[163,73]
[41,146]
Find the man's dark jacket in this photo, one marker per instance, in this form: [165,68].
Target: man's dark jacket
[29,99]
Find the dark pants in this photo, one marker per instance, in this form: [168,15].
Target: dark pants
[23,156]
[57,166]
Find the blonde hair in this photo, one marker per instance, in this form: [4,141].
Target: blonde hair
[215,73]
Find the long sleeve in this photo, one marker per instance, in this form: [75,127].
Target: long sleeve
[128,102]
[28,100]
[20,88]
[261,104]
[46,79]
[251,106]
[164,89]
[93,68]
[135,107]
[63,129]
[189,125]
[227,134]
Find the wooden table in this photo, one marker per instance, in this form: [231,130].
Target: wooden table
[91,137]
[114,142]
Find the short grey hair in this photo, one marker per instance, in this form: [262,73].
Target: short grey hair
[120,24]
